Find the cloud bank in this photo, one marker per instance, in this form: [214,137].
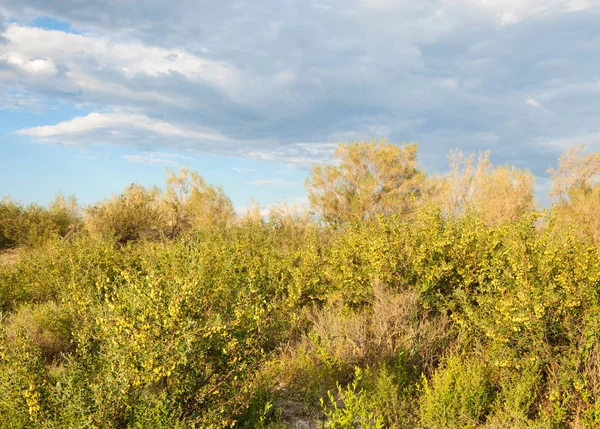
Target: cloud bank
[285,81]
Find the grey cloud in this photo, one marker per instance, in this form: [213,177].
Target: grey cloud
[2,28]
[446,74]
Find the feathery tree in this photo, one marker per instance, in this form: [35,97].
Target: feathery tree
[576,186]
[190,202]
[576,172]
[498,194]
[371,178]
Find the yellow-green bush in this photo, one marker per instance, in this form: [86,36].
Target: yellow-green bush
[459,395]
[133,215]
[34,225]
[47,327]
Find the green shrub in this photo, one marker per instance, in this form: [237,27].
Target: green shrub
[35,278]
[354,409]
[518,399]
[459,395]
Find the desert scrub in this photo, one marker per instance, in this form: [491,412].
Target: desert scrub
[169,312]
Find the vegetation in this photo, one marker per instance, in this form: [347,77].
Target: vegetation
[407,301]
[33,225]
[371,178]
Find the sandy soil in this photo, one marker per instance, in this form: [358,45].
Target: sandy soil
[8,257]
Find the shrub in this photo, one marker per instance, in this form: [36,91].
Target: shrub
[47,327]
[133,215]
[354,408]
[459,395]
[34,225]
[439,320]
[190,203]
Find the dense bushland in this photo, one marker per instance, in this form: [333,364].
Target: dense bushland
[430,310]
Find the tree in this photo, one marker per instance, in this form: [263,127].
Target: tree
[505,195]
[370,178]
[66,214]
[132,215]
[576,186]
[189,202]
[576,172]
[253,215]
[498,194]
[462,182]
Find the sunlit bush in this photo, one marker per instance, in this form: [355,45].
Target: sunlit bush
[133,215]
[34,225]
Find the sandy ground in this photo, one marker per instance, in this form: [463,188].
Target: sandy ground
[10,256]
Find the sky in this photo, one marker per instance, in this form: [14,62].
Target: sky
[98,94]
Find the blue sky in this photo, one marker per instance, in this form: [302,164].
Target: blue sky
[95,95]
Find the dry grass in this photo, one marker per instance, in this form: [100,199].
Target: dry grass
[341,338]
[398,322]
[46,326]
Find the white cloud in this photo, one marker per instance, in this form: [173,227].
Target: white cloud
[41,67]
[264,210]
[318,149]
[95,121]
[118,91]
[511,12]
[285,77]
[291,156]
[295,155]
[533,102]
[295,205]
[509,18]
[156,158]
[564,90]
[591,140]
[128,59]
[244,169]
[105,67]
[19,100]
[2,27]
[379,4]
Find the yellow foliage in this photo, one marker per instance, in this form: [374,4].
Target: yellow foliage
[576,185]
[189,202]
[370,178]
[498,194]
[133,215]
